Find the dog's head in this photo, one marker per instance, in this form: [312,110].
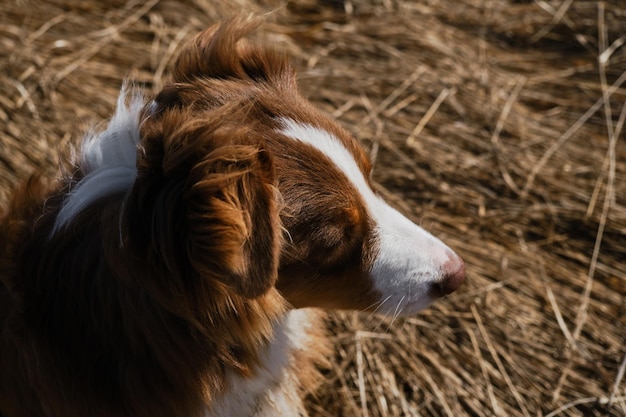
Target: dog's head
[263,190]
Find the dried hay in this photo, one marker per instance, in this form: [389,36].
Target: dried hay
[498,125]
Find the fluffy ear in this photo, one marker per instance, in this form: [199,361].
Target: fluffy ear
[207,205]
[233,222]
[221,52]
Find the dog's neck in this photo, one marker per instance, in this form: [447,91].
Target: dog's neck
[283,375]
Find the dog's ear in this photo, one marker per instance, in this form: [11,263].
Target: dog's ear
[204,202]
[206,198]
[232,215]
[222,52]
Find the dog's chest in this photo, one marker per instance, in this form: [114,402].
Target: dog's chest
[275,388]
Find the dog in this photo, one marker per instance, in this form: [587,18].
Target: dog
[168,270]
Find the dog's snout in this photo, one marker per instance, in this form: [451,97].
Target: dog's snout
[453,275]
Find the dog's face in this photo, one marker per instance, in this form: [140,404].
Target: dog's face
[342,246]
[345,247]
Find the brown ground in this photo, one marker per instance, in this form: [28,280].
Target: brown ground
[498,125]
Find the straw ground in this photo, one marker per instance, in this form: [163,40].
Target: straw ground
[497,125]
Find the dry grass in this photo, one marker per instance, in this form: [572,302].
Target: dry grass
[498,125]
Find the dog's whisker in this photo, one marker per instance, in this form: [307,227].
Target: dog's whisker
[397,311]
[378,305]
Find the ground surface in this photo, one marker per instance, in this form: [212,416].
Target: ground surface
[497,125]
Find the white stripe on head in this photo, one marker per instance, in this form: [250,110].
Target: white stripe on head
[410,260]
[107,159]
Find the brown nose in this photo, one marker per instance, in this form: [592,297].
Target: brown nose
[453,277]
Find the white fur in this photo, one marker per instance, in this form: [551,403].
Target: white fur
[108,160]
[273,391]
[409,259]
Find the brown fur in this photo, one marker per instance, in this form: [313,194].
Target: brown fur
[145,302]
[325,256]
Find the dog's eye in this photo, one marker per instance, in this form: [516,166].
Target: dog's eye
[339,237]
